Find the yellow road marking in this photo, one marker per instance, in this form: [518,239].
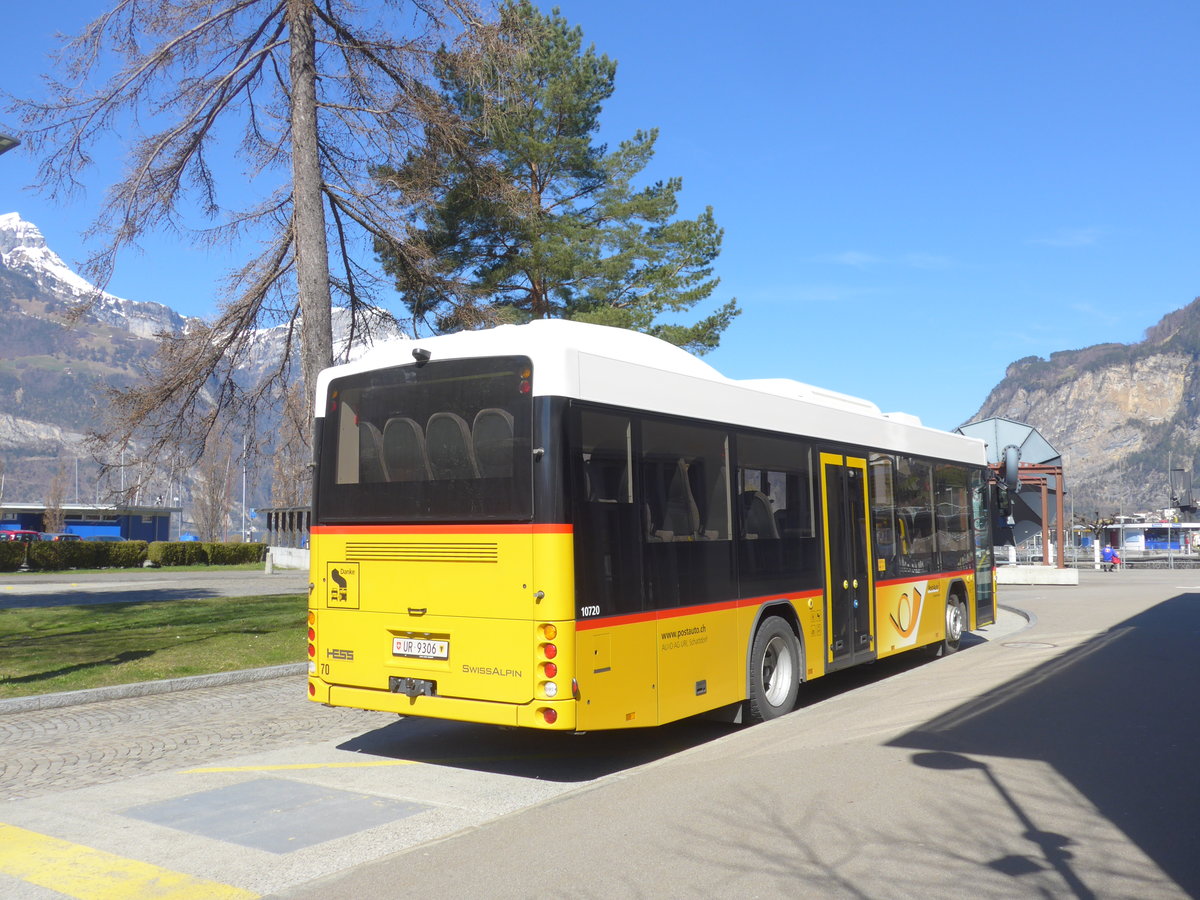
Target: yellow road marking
[295,766]
[88,874]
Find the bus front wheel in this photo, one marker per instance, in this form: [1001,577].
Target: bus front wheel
[774,671]
[956,624]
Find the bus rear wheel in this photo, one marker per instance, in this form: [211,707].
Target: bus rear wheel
[774,671]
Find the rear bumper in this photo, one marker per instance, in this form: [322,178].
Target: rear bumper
[452,708]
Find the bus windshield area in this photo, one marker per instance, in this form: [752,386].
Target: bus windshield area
[445,441]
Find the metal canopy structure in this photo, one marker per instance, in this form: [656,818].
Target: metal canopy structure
[1038,466]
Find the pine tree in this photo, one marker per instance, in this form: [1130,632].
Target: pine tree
[533,218]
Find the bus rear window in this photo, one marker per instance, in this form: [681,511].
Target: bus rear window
[446,441]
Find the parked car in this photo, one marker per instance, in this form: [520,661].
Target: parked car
[20,535]
[60,536]
[106,537]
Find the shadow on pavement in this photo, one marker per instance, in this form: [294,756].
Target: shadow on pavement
[555,756]
[1119,718]
[95,598]
[550,756]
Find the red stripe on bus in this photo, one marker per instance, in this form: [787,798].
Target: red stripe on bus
[661,615]
[442,529]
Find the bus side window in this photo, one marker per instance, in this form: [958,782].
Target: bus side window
[915,516]
[777,545]
[606,522]
[886,534]
[953,517]
[687,554]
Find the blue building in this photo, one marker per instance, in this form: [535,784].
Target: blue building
[90,520]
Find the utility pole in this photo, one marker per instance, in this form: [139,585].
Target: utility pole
[244,439]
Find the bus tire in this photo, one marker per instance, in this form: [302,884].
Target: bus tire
[774,675]
[956,624]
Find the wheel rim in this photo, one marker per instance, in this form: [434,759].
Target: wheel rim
[778,671]
[954,622]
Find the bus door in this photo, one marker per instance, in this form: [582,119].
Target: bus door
[849,581]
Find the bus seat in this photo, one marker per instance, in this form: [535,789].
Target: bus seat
[681,516]
[448,441]
[492,438]
[757,521]
[370,454]
[716,507]
[404,453]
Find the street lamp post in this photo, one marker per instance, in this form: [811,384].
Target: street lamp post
[7,143]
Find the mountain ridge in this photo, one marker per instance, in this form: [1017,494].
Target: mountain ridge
[1122,415]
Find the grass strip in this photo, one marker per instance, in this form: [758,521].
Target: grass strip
[70,648]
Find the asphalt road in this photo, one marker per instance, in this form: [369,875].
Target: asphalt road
[25,589]
[1051,759]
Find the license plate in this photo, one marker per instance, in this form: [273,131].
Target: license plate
[420,648]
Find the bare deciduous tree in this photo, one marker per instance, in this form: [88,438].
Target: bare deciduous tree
[291,482]
[314,94]
[212,490]
[55,518]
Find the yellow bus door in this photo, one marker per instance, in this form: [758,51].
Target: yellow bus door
[849,581]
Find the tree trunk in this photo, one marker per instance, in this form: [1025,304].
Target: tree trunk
[308,205]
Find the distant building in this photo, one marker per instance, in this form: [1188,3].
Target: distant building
[286,526]
[88,520]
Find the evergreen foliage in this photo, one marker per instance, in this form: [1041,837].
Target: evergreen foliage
[532,218]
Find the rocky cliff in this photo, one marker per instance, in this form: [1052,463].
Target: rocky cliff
[1121,415]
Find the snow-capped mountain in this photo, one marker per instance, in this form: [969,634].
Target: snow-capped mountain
[54,368]
[23,251]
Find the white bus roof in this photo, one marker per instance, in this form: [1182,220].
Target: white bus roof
[630,369]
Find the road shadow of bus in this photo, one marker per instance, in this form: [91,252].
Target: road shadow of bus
[548,756]
[1117,717]
[554,756]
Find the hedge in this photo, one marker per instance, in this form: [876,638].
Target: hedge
[192,553]
[59,555]
[12,553]
[177,553]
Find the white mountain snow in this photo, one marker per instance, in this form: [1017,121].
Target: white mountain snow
[23,250]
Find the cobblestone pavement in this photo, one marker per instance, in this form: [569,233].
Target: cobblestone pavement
[48,751]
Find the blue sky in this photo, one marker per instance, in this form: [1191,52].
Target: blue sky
[913,194]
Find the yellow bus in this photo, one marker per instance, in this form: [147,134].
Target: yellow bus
[567,526]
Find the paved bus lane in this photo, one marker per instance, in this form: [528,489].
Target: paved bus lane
[882,784]
[85,588]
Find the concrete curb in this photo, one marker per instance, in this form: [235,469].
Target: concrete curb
[146,688]
[1017,611]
